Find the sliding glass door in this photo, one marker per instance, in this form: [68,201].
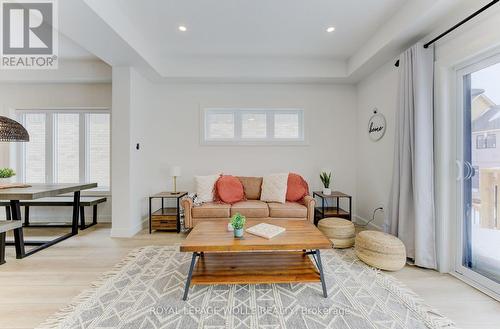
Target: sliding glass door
[479,228]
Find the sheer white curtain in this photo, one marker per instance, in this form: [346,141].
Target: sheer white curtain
[410,214]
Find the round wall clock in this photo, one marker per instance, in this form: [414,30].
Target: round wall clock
[376,126]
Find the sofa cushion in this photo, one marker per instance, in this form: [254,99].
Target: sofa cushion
[211,210]
[287,210]
[205,187]
[297,188]
[252,187]
[274,188]
[229,189]
[250,208]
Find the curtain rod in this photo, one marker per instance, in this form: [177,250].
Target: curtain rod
[454,27]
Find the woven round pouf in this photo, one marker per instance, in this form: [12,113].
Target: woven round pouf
[339,231]
[380,250]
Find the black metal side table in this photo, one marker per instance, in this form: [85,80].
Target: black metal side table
[325,209]
[166,218]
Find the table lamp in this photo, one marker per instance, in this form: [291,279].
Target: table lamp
[175,171]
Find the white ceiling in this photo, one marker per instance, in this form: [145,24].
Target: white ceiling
[68,49]
[254,40]
[289,28]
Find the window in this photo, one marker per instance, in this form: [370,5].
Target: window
[220,125]
[34,151]
[99,148]
[67,136]
[253,126]
[66,147]
[491,141]
[486,141]
[480,142]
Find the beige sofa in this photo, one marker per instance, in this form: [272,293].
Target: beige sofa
[252,208]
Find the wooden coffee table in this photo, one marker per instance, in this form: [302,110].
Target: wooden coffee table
[224,259]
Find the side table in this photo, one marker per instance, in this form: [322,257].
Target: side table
[326,209]
[166,218]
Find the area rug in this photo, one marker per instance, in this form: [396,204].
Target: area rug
[145,291]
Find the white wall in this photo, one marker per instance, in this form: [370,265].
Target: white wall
[131,174]
[330,114]
[374,159]
[51,95]
[165,120]
[120,152]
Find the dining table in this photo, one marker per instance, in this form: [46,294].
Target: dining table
[38,191]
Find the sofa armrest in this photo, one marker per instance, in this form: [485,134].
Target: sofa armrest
[187,204]
[310,203]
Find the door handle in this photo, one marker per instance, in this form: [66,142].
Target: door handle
[470,170]
[465,171]
[460,170]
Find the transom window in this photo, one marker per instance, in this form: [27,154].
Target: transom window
[66,146]
[252,126]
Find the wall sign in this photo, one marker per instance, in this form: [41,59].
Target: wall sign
[376,126]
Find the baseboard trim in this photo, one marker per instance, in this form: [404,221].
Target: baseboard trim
[364,221]
[120,232]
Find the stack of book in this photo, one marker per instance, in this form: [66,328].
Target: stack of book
[265,230]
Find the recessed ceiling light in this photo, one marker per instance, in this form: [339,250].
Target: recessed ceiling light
[330,29]
[182,28]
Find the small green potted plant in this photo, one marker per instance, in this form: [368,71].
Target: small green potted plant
[326,179]
[238,223]
[6,174]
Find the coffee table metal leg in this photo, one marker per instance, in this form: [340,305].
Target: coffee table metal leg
[190,274]
[320,267]
[317,259]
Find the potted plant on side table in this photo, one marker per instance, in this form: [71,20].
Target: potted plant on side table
[238,224]
[326,179]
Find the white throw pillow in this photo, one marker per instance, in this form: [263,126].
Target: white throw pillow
[205,186]
[274,188]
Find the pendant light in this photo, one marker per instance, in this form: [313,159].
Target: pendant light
[12,131]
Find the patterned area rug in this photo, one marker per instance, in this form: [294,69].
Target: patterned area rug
[145,291]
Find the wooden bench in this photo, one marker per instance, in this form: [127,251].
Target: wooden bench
[85,201]
[6,226]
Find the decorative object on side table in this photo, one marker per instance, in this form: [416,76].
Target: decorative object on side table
[175,171]
[166,218]
[329,206]
[326,179]
[238,223]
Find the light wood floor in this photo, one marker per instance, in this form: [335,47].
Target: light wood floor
[34,288]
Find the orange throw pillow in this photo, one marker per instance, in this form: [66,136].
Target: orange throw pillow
[229,189]
[297,188]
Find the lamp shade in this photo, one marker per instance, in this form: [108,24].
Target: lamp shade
[175,171]
[12,131]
